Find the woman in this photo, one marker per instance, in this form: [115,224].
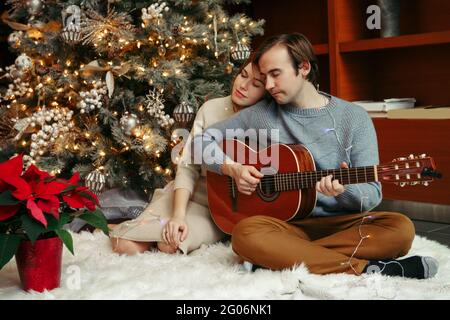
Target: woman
[184,204]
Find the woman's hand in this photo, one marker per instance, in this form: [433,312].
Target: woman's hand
[175,231]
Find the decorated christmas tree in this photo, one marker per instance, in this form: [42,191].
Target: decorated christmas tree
[99,86]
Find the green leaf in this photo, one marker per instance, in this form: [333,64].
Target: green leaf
[66,237]
[96,219]
[69,188]
[8,247]
[6,199]
[32,228]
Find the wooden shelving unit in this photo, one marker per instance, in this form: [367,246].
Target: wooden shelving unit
[356,64]
[407,41]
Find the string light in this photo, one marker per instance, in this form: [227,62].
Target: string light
[370,218]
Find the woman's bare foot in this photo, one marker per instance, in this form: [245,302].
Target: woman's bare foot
[167,248]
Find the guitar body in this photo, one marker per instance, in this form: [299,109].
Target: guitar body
[228,206]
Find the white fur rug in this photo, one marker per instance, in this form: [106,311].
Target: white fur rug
[95,272]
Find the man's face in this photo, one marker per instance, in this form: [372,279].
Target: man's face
[281,79]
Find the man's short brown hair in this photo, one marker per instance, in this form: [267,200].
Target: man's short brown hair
[299,49]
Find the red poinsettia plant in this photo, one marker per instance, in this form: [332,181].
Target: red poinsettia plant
[35,204]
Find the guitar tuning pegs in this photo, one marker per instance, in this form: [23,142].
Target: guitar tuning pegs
[411,156]
[401,159]
[423,155]
[402,184]
[425,183]
[413,183]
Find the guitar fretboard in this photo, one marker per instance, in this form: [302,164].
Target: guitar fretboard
[305,180]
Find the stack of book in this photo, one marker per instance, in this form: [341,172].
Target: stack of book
[377,109]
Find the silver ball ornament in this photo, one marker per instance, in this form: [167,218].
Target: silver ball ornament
[128,122]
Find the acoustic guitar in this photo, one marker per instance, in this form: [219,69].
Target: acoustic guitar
[288,192]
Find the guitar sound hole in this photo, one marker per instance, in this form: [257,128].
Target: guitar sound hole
[266,189]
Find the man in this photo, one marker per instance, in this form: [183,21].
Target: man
[340,236]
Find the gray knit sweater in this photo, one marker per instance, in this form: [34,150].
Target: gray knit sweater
[338,132]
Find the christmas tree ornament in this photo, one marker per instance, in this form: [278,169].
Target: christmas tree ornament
[42,70]
[15,39]
[176,30]
[170,43]
[240,52]
[24,63]
[153,12]
[155,107]
[229,68]
[95,181]
[92,99]
[71,32]
[129,122]
[184,113]
[34,7]
[52,123]
[161,51]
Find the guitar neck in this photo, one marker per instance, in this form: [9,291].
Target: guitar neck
[304,180]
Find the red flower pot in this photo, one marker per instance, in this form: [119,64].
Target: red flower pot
[39,265]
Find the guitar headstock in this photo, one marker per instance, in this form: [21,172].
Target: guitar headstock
[412,170]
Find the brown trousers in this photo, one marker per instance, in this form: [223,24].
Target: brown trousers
[324,244]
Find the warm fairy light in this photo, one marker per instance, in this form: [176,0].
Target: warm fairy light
[165,74]
[158,169]
[102,153]
[60,90]
[68,63]
[87,135]
[141,108]
[224,20]
[168,171]
[24,143]
[139,44]
[115,113]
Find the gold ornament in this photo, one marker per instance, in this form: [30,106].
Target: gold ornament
[161,51]
[229,68]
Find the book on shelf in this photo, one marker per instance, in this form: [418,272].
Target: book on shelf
[428,112]
[386,104]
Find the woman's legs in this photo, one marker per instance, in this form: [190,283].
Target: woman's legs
[130,247]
